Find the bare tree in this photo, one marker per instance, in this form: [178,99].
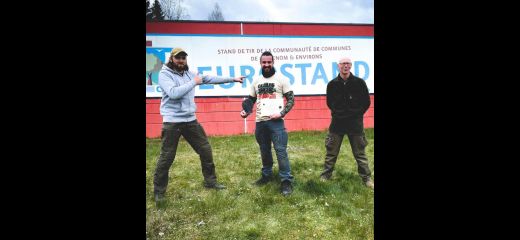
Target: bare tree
[173,10]
[148,11]
[157,12]
[216,14]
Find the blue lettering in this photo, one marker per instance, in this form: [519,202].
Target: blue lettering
[303,66]
[319,73]
[201,72]
[231,74]
[357,64]
[335,70]
[249,75]
[287,74]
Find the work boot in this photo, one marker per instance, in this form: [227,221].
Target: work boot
[286,188]
[216,186]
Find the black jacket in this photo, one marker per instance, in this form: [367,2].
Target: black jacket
[347,101]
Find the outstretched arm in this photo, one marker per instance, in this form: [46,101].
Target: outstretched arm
[172,88]
[206,79]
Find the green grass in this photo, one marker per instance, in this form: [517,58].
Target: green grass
[339,209]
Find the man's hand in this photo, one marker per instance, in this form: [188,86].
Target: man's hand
[275,116]
[239,79]
[243,114]
[197,79]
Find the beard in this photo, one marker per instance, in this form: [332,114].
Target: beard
[268,73]
[177,67]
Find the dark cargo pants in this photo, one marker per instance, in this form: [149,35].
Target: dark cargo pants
[357,143]
[196,137]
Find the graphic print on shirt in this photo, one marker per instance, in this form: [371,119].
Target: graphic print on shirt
[266,91]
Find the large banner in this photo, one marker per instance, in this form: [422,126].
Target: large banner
[308,62]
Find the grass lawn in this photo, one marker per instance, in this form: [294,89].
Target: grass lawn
[342,208]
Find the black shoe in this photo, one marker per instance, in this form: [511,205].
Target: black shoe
[263,180]
[286,187]
[159,197]
[216,186]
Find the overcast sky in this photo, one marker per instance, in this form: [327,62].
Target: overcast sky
[319,11]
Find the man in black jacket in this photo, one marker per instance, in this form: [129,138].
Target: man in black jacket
[348,99]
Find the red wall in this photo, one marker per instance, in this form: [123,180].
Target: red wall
[220,116]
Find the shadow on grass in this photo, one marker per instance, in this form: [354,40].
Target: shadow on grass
[341,181]
[315,188]
[252,234]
